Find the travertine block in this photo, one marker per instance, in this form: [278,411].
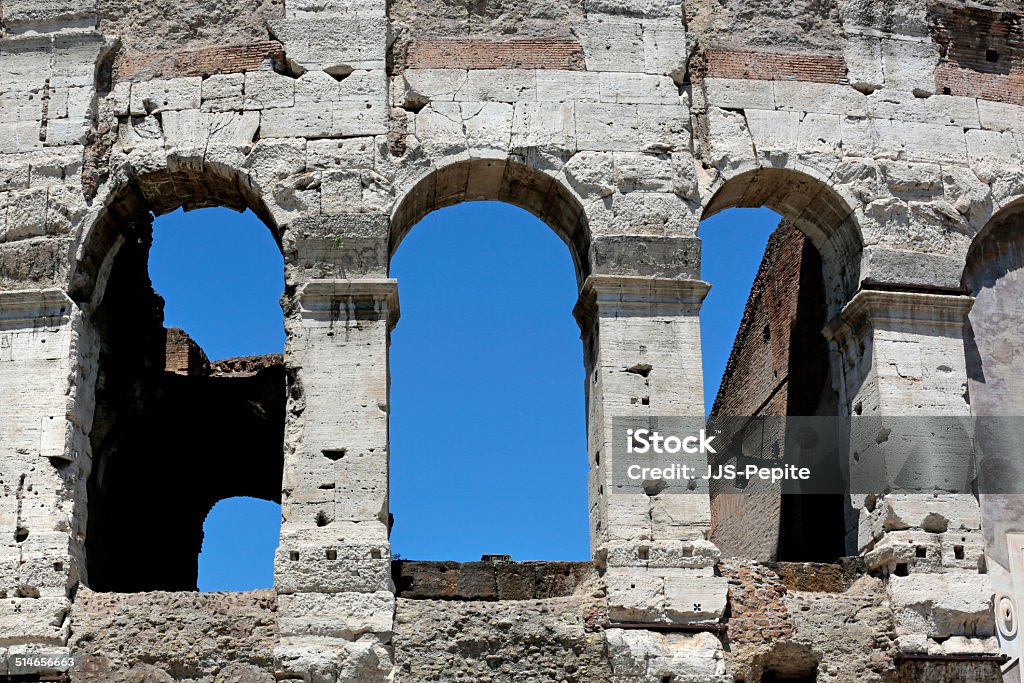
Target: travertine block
[612,46]
[326,566]
[150,97]
[337,615]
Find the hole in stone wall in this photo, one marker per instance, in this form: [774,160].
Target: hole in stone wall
[21,534]
[902,569]
[321,518]
[653,487]
[641,369]
[332,554]
[789,662]
[643,553]
[991,56]
[491,458]
[921,551]
[958,552]
[334,454]
[293,556]
[190,402]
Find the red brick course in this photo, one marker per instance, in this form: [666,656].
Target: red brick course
[473,53]
[775,66]
[204,61]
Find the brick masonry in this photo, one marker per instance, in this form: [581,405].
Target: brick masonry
[205,61]
[757,605]
[495,54]
[771,66]
[983,53]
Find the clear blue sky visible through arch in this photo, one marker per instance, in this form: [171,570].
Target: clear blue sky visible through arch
[488,425]
[488,417]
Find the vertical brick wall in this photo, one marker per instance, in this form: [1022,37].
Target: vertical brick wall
[755,383]
[757,608]
[778,367]
[183,355]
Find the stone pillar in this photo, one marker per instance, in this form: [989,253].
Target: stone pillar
[333,566]
[641,339]
[45,417]
[902,361]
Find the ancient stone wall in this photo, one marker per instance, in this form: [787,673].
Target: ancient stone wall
[889,133]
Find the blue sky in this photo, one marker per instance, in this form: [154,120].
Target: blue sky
[488,450]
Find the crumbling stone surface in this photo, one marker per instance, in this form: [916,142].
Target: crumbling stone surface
[160,38]
[158,637]
[544,640]
[489,580]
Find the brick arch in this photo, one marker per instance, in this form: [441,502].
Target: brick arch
[813,206]
[498,180]
[153,194]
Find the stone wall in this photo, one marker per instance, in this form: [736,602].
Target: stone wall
[888,133]
[159,637]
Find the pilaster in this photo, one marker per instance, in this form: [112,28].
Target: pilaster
[902,376]
[642,347]
[45,417]
[333,566]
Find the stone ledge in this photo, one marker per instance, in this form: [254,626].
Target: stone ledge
[488,580]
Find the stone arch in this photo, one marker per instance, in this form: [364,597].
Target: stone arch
[497,180]
[994,276]
[154,393]
[153,194]
[782,364]
[815,207]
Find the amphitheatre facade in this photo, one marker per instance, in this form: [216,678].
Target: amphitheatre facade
[889,135]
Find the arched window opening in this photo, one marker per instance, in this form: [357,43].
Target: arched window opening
[995,352]
[488,437]
[995,373]
[190,391]
[240,536]
[773,301]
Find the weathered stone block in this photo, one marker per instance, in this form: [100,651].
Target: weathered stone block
[337,615]
[336,44]
[150,97]
[612,46]
[332,567]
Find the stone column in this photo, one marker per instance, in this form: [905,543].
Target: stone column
[901,360]
[45,417]
[641,338]
[333,566]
